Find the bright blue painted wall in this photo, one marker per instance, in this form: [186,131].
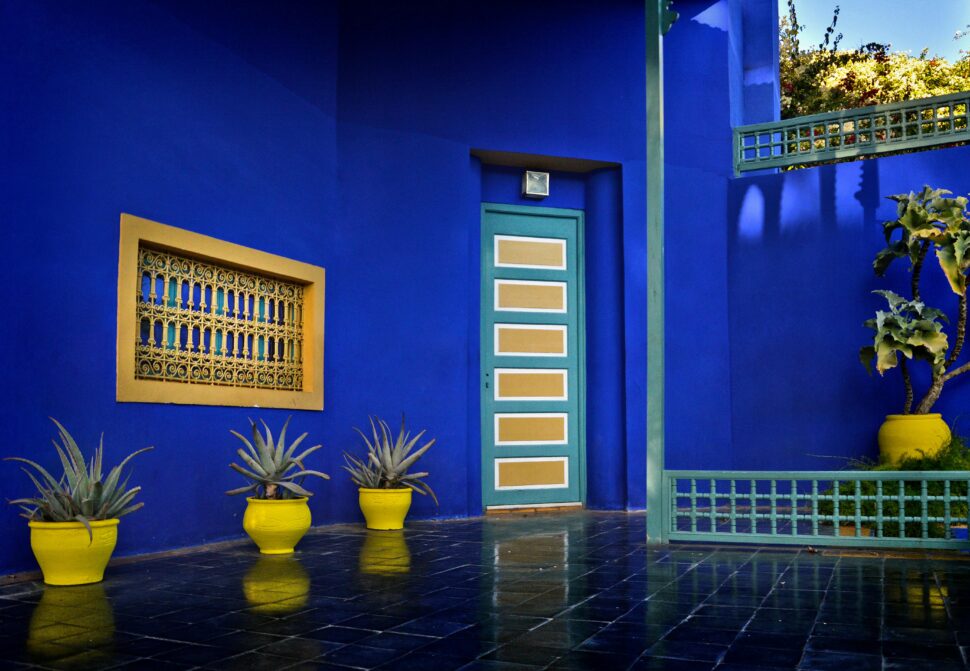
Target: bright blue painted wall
[339,136]
[215,119]
[800,252]
[563,79]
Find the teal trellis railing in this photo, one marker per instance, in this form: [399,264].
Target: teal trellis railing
[916,509]
[863,131]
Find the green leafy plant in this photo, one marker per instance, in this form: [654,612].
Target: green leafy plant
[83,493]
[925,221]
[271,465]
[823,77]
[954,456]
[388,460]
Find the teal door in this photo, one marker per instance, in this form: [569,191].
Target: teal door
[533,357]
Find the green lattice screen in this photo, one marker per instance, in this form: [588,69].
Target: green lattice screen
[852,133]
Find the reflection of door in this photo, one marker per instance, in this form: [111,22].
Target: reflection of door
[533,356]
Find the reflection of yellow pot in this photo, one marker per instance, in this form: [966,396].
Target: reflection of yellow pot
[276,525]
[54,626]
[68,555]
[385,508]
[385,552]
[909,435]
[276,585]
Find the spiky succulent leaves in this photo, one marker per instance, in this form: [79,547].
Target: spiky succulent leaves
[272,466]
[81,494]
[388,459]
[909,328]
[362,474]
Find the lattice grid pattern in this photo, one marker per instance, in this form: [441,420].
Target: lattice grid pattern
[202,323]
[905,509]
[866,130]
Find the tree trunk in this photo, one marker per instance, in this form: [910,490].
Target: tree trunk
[909,386]
[961,332]
[918,269]
[932,395]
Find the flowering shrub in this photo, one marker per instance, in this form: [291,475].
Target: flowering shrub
[825,78]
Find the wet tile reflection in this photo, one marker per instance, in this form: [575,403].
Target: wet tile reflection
[578,591]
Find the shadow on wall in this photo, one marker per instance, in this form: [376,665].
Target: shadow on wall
[800,279]
[800,251]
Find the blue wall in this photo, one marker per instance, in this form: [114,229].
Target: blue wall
[337,135]
[800,256]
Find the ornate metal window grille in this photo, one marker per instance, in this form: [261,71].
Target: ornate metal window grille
[203,323]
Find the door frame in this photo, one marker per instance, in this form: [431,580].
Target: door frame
[553,212]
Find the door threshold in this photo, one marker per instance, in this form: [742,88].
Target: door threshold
[569,506]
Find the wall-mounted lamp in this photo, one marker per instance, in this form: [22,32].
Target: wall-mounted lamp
[535,184]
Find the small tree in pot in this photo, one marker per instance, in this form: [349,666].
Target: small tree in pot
[928,221]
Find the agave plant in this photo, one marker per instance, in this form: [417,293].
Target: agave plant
[388,460]
[274,470]
[81,494]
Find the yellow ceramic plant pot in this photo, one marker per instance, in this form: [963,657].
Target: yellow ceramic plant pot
[385,509]
[911,435]
[276,525]
[68,555]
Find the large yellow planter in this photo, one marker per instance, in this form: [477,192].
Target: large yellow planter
[385,509]
[276,526]
[910,435]
[67,555]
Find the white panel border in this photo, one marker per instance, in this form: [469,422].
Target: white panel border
[562,328]
[522,238]
[565,472]
[525,371]
[562,285]
[564,441]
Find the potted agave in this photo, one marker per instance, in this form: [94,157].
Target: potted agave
[383,480]
[74,519]
[928,221]
[277,515]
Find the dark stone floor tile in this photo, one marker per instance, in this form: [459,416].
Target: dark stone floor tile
[360,656]
[394,641]
[251,661]
[428,626]
[582,660]
[773,641]
[299,649]
[839,661]
[919,650]
[922,665]
[853,645]
[741,654]
[338,634]
[668,664]
[687,650]
[423,661]
[197,654]
[492,665]
[465,602]
[700,634]
[525,654]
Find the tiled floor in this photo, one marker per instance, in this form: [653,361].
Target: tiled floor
[573,591]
